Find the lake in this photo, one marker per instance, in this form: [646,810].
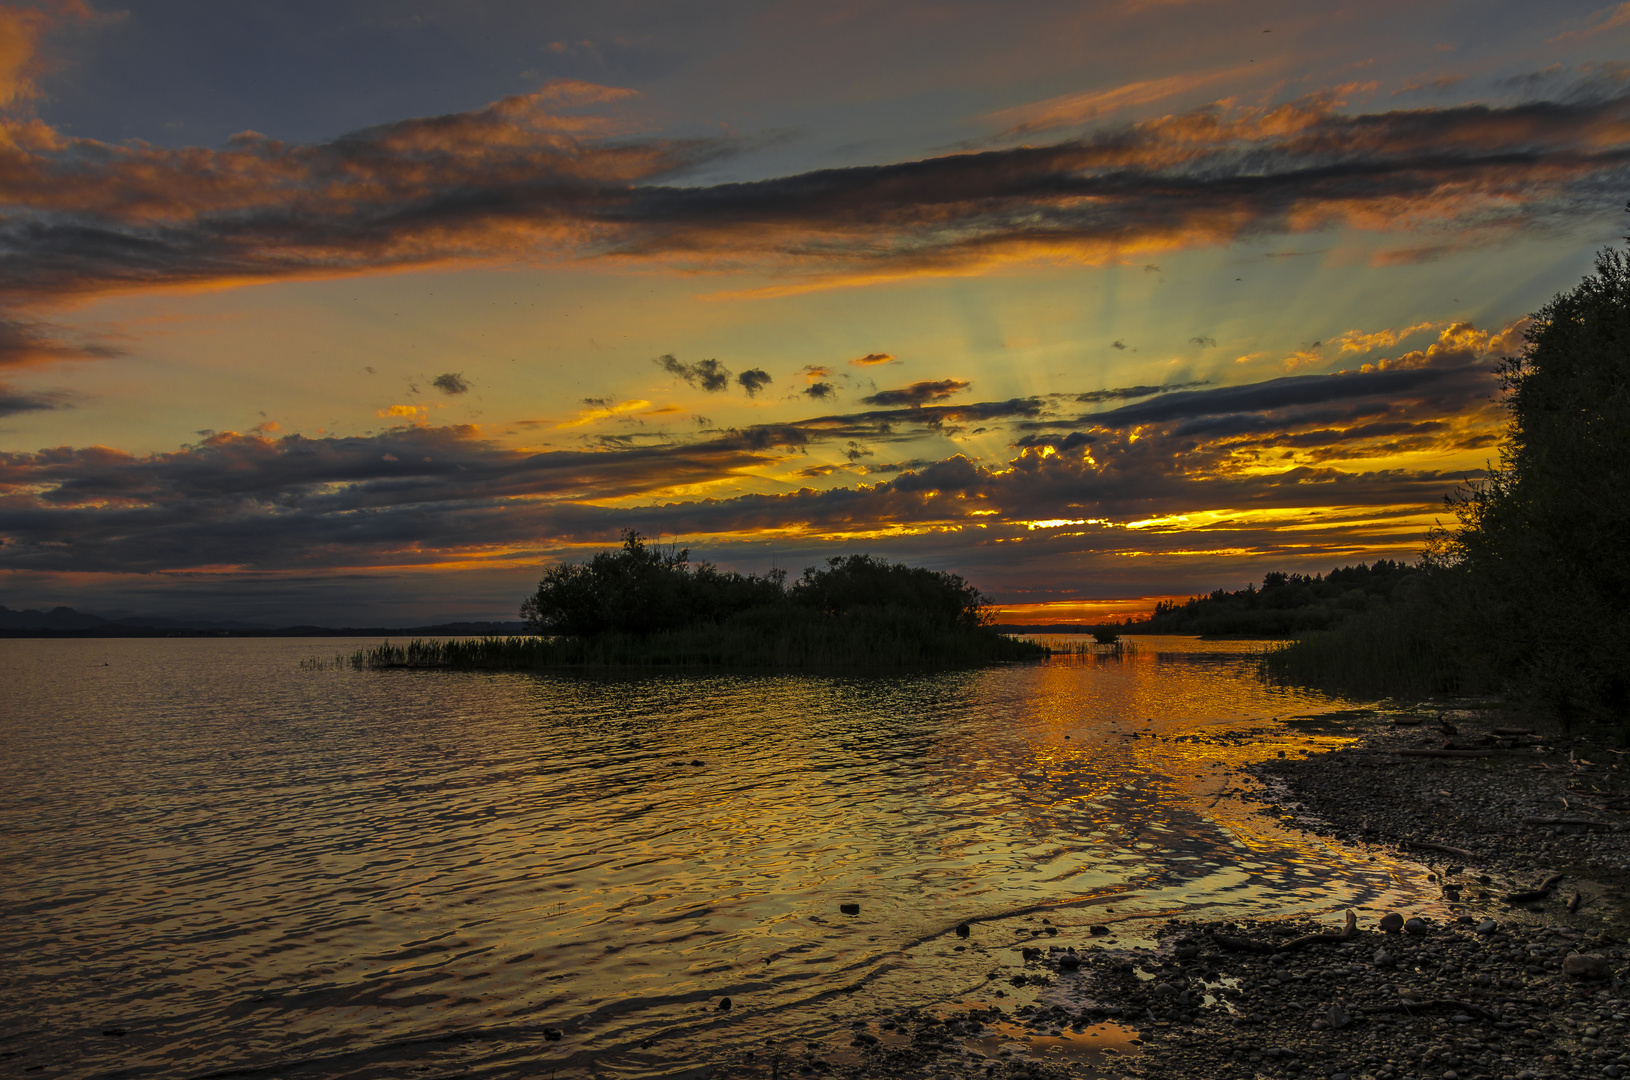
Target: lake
[242,864]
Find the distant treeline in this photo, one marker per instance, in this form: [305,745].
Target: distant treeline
[641,605]
[1287,604]
[1528,594]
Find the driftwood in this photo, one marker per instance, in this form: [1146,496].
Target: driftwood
[1576,822]
[1575,902]
[1443,753]
[1413,1007]
[1510,731]
[1459,853]
[1540,892]
[1323,937]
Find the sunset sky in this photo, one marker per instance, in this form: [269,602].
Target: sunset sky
[362,312]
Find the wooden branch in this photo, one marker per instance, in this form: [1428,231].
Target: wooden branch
[1459,853]
[1412,1007]
[1323,937]
[1540,892]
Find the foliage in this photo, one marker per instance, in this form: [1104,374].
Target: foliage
[851,582]
[1536,566]
[1286,604]
[642,605]
[640,589]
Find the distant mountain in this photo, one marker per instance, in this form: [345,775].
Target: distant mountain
[65,620]
[58,618]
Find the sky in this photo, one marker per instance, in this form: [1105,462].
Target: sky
[364,312]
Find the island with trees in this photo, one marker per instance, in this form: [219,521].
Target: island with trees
[641,605]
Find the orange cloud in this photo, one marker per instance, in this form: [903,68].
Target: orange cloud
[873,358]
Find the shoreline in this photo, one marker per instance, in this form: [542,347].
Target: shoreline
[1473,987]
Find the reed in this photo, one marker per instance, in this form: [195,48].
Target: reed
[877,638]
[1393,652]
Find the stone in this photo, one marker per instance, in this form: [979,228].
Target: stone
[724,1003]
[1097,930]
[1338,1017]
[1383,959]
[1586,966]
[962,930]
[1392,922]
[1416,927]
[1165,989]
[552,1034]
[1069,961]
[849,909]
[1487,926]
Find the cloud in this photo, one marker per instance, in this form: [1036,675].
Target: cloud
[1071,110]
[871,359]
[29,341]
[1060,443]
[604,409]
[1118,344]
[15,401]
[1608,20]
[918,393]
[1205,341]
[820,391]
[451,383]
[708,375]
[1123,393]
[533,177]
[753,380]
[815,372]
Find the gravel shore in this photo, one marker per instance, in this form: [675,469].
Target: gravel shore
[1520,973]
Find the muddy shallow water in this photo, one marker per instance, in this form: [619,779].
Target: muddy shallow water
[241,864]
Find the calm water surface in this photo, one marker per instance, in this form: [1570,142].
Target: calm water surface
[244,865]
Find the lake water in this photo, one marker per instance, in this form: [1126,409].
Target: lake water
[244,865]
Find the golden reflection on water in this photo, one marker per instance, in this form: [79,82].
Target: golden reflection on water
[245,865]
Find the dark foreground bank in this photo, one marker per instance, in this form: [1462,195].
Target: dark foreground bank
[1520,974]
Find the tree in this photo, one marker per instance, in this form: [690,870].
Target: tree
[1536,569]
[851,582]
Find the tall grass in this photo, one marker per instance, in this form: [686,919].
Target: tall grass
[871,639]
[1396,651]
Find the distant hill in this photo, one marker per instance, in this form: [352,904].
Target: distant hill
[66,622]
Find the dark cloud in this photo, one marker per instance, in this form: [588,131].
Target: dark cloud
[919,393]
[522,178]
[1118,344]
[1205,341]
[15,401]
[1283,393]
[753,380]
[451,383]
[1126,393]
[820,391]
[1059,443]
[708,375]
[29,341]
[873,358]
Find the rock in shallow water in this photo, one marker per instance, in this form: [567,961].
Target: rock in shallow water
[1392,922]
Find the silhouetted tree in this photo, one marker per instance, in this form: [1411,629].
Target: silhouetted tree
[853,582]
[1537,567]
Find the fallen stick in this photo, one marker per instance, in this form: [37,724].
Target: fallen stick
[1323,937]
[1541,892]
[1459,853]
[1587,822]
[1575,903]
[1412,1007]
[1443,753]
